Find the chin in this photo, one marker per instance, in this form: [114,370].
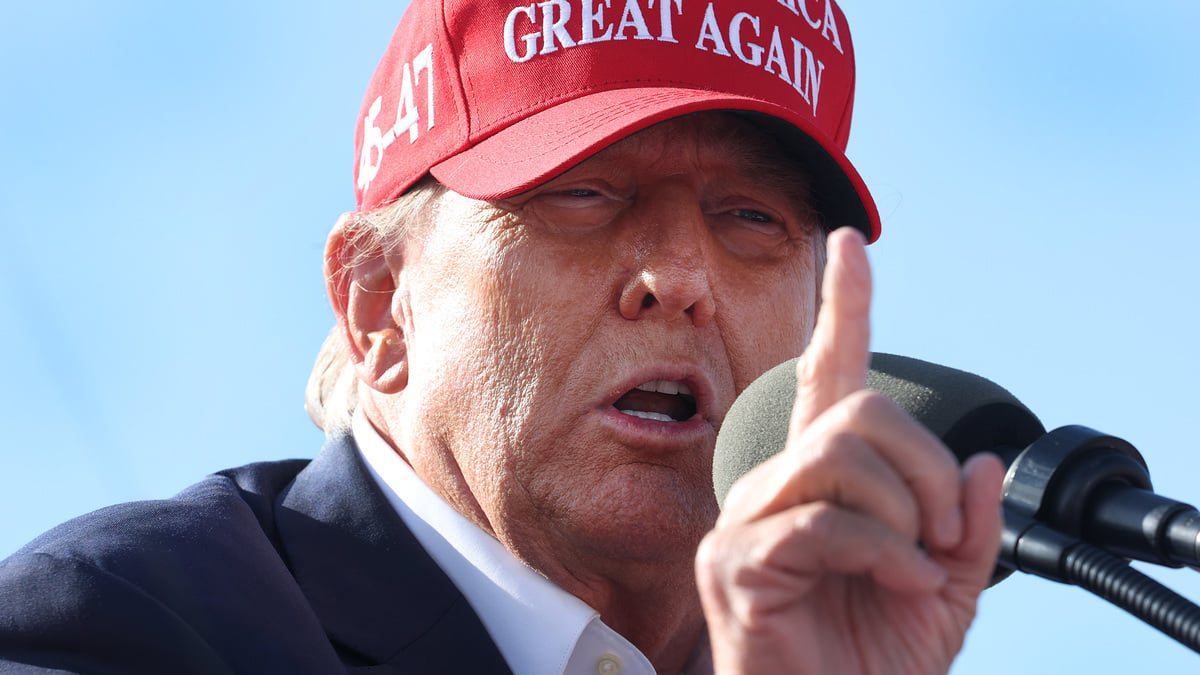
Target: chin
[647,520]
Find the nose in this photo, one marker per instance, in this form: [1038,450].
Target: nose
[671,274]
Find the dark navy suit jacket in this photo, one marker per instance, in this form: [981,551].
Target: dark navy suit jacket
[282,567]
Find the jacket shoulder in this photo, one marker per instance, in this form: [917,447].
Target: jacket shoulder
[194,583]
[236,505]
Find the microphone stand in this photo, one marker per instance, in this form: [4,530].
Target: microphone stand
[1077,503]
[1061,481]
[1030,546]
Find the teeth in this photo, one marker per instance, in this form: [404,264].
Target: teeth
[665,387]
[658,417]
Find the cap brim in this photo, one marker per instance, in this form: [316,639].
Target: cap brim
[545,144]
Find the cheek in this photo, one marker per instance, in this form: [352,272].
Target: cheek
[770,323]
[474,374]
[502,323]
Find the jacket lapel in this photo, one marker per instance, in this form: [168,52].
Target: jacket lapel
[382,600]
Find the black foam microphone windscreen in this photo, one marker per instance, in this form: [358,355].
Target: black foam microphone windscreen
[968,412]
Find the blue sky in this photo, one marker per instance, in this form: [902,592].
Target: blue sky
[168,172]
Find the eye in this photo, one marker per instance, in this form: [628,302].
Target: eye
[750,231]
[578,207]
[753,215]
[756,221]
[574,197]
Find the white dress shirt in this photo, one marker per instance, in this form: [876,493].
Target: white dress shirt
[539,628]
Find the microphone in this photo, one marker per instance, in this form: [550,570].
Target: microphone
[1078,481]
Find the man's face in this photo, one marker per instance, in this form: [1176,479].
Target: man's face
[574,350]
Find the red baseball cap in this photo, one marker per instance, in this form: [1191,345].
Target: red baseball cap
[494,97]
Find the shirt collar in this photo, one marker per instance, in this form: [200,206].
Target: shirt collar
[536,625]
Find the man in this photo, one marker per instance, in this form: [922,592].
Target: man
[582,228]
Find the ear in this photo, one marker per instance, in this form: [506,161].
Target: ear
[361,287]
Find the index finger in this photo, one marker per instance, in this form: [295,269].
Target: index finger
[834,365]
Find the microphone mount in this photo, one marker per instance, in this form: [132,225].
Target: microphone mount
[1097,488]
[1077,502]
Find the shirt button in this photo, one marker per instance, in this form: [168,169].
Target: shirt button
[608,664]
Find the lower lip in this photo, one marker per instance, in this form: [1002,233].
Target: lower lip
[641,431]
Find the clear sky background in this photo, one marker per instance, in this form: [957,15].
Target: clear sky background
[168,172]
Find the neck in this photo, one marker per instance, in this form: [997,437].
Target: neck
[668,639]
[645,591]
[656,607]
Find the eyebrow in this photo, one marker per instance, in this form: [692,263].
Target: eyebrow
[752,153]
[759,154]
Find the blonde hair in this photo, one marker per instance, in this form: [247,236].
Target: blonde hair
[331,394]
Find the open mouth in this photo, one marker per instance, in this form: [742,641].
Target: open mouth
[659,400]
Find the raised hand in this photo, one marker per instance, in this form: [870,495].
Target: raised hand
[862,546]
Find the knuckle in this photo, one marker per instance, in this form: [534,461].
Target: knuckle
[820,521]
[739,492]
[836,454]
[806,365]
[711,567]
[719,557]
[868,404]
[708,555]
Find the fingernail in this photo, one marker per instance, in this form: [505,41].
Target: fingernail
[949,528]
[933,573]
